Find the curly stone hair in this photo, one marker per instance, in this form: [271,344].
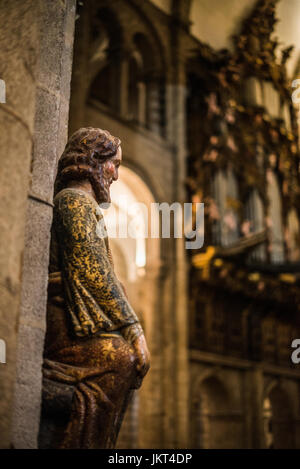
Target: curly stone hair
[83,156]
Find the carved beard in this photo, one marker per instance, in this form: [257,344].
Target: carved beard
[101,186]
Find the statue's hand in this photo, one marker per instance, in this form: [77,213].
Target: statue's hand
[142,354]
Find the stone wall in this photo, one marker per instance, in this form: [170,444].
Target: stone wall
[36,41]
[19,53]
[50,136]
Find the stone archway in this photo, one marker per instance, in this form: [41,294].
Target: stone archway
[278,420]
[213,420]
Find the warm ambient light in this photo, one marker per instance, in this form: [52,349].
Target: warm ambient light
[126,223]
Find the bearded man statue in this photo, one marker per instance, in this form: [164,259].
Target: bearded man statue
[95,349]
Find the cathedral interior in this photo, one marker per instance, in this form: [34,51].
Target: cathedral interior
[202,94]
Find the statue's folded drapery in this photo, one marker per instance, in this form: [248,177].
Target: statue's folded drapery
[90,329]
[95,299]
[100,393]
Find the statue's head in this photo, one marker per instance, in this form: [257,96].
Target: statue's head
[90,154]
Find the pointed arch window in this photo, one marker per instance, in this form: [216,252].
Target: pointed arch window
[135,96]
[145,86]
[105,59]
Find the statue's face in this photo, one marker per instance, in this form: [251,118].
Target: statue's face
[109,174]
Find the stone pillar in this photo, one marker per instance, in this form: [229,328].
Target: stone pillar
[297,418]
[142,102]
[50,134]
[151,399]
[247,395]
[124,78]
[19,51]
[81,79]
[153,104]
[255,382]
[181,274]
[177,393]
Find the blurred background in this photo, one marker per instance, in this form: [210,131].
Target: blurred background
[200,94]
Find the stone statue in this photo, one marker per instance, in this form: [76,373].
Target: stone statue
[95,348]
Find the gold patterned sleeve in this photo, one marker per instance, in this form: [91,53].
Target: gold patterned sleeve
[94,296]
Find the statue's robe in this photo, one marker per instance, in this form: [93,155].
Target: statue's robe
[90,366]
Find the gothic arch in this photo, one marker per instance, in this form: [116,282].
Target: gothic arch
[151,32]
[278,417]
[105,57]
[211,414]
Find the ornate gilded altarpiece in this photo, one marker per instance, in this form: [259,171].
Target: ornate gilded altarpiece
[241,119]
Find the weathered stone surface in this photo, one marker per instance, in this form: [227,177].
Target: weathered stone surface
[52,34]
[27,407]
[44,161]
[30,339]
[19,51]
[53,92]
[50,133]
[36,257]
